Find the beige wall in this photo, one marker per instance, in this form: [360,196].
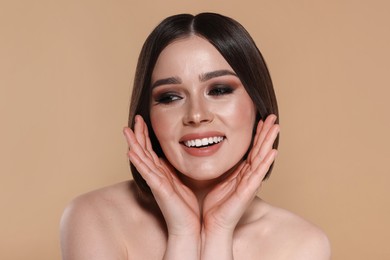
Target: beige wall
[66,70]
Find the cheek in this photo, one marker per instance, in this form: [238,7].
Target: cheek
[241,118]
[241,113]
[245,118]
[162,123]
[157,125]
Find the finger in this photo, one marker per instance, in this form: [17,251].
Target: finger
[139,131]
[135,147]
[143,157]
[177,185]
[226,187]
[170,173]
[141,135]
[261,170]
[268,123]
[269,141]
[149,175]
[252,180]
[161,187]
[169,170]
[237,172]
[221,192]
[126,133]
[258,130]
[262,133]
[149,146]
[130,137]
[255,139]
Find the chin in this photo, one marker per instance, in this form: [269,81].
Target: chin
[208,173]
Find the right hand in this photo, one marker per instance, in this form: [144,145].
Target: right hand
[177,202]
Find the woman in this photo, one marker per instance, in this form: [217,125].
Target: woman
[202,137]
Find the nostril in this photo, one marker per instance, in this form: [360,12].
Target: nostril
[198,118]
[197,111]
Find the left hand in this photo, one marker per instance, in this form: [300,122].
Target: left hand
[224,206]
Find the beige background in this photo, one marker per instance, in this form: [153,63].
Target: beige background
[66,70]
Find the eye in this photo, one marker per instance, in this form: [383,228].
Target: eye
[166,98]
[219,90]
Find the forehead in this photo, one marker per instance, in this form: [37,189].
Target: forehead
[191,55]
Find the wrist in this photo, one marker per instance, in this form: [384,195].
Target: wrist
[217,230]
[217,242]
[184,231]
[220,236]
[181,246]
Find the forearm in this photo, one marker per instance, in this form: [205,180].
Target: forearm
[217,246]
[183,247]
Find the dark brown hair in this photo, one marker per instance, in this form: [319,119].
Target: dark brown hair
[233,42]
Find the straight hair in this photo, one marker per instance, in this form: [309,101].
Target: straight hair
[231,40]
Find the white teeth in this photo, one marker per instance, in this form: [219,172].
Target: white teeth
[203,141]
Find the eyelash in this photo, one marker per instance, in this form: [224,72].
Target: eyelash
[217,90]
[167,98]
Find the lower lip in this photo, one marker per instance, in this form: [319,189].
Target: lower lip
[205,151]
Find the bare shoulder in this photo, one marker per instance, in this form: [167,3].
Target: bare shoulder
[91,223]
[285,235]
[304,239]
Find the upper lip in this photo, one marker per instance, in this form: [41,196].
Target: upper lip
[194,136]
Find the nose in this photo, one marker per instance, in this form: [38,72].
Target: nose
[197,112]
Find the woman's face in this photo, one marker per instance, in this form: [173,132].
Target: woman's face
[200,112]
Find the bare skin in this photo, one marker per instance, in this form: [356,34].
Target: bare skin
[114,223]
[204,203]
[111,223]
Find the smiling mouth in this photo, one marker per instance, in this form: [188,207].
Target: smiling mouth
[203,142]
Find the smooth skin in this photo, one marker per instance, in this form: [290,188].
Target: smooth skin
[202,230]
[204,207]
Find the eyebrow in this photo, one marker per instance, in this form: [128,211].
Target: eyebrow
[203,77]
[167,81]
[214,74]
